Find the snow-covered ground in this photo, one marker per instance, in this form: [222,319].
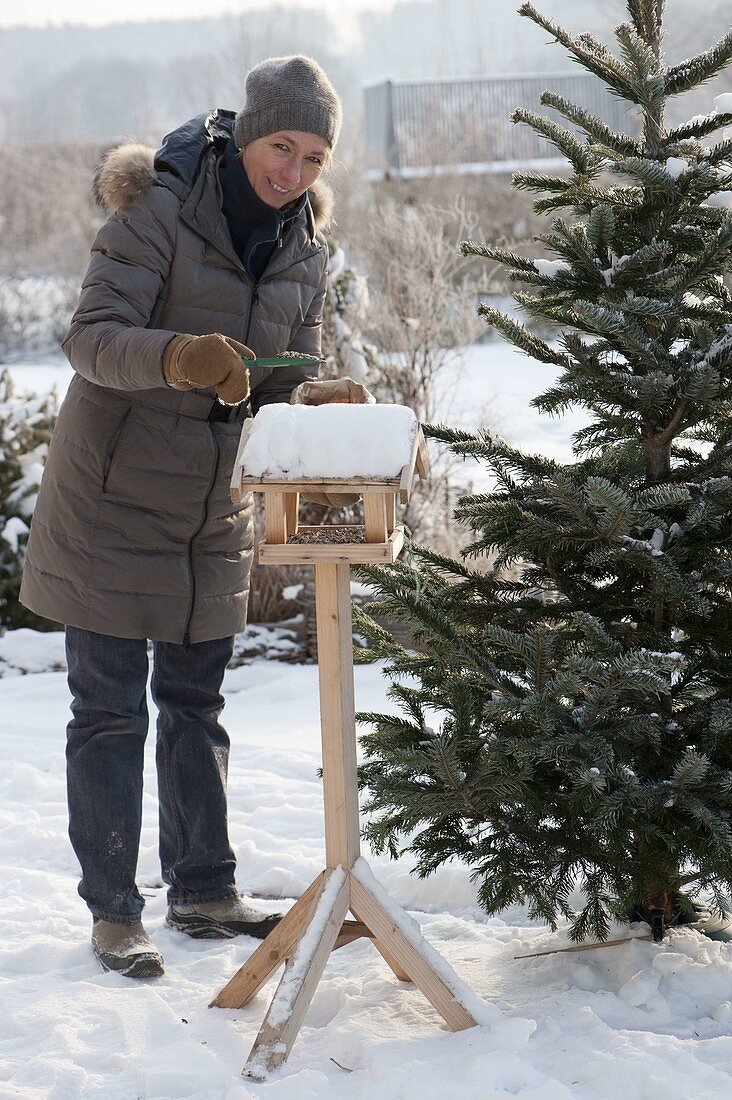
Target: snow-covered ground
[633,1022]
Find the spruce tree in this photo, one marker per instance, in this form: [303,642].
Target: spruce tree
[566,722]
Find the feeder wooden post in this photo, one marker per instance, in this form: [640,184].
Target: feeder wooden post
[317,924]
[337,713]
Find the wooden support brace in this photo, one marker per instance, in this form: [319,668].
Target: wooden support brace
[390,512]
[300,979]
[374,508]
[275,522]
[271,952]
[352,930]
[292,506]
[423,458]
[409,947]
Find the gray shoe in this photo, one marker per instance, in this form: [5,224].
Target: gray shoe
[126,949]
[708,922]
[222,919]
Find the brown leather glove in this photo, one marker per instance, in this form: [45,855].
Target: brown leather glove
[331,391]
[194,362]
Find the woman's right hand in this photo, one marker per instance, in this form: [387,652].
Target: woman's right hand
[195,362]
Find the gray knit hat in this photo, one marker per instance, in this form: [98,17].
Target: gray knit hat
[288,93]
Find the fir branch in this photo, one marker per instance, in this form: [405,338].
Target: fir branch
[646,18]
[697,128]
[500,255]
[651,173]
[719,153]
[594,127]
[604,65]
[639,56]
[627,336]
[540,182]
[601,227]
[520,336]
[635,265]
[577,152]
[697,70]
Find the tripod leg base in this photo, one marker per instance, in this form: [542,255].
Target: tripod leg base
[305,938]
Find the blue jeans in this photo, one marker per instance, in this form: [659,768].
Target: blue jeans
[104,755]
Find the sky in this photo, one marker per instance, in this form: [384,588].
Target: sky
[98,12]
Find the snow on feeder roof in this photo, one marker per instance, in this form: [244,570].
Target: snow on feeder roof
[293,442]
[371,450]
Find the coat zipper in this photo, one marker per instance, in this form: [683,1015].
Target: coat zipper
[252,303]
[196,533]
[254,300]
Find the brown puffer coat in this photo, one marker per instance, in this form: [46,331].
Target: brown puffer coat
[134,533]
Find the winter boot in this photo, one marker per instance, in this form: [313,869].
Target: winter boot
[705,920]
[126,949]
[221,919]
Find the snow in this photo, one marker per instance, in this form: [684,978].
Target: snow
[723,103]
[551,268]
[310,441]
[52,372]
[675,166]
[13,530]
[720,200]
[626,1021]
[636,1020]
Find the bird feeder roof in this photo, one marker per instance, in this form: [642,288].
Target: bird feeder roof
[362,448]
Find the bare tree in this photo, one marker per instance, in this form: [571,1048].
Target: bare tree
[409,323]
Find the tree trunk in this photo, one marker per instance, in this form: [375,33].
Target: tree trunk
[658,461]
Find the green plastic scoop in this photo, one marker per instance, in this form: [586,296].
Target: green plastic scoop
[287,359]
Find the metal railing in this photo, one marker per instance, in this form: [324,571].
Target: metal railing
[414,127]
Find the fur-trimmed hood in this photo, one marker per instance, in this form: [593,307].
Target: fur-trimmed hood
[126,171]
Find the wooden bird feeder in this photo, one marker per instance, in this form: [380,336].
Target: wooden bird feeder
[287,542]
[317,923]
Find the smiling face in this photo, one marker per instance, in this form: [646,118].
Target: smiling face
[283,165]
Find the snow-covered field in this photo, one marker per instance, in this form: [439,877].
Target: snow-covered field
[633,1022]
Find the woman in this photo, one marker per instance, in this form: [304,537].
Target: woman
[214,245]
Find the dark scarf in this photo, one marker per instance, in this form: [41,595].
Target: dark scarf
[256,228]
